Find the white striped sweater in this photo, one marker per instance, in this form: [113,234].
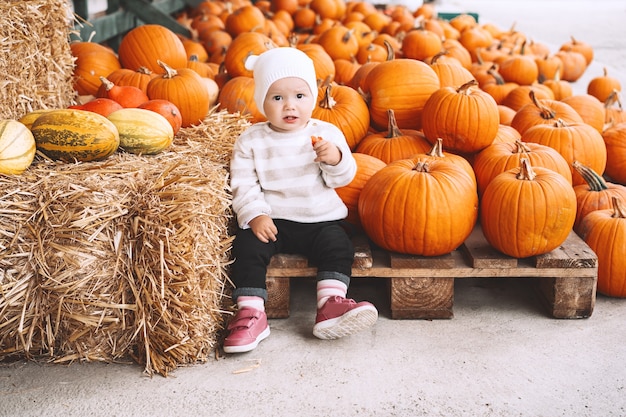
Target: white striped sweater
[274,173]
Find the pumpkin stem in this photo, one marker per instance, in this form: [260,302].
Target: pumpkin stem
[144,70]
[479,58]
[327,102]
[493,71]
[346,36]
[391,54]
[421,166]
[595,181]
[526,172]
[619,211]
[169,71]
[465,88]
[437,56]
[612,99]
[108,85]
[521,147]
[293,39]
[544,111]
[437,149]
[522,50]
[393,129]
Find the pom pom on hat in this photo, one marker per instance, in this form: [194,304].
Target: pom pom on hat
[277,63]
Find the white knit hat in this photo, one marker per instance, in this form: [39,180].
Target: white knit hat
[277,63]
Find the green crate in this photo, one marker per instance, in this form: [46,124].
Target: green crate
[124,15]
[450,15]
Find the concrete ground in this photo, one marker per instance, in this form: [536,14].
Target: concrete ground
[501,355]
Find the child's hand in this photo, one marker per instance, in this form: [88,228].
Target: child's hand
[264,228]
[315,139]
[327,152]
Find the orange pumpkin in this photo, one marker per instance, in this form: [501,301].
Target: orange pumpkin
[451,74]
[346,109]
[329,9]
[574,64]
[520,95]
[345,69]
[402,85]
[394,144]
[498,88]
[544,111]
[242,46]
[519,69]
[145,45]
[323,63]
[615,140]
[366,166]
[561,88]
[237,95]
[247,18]
[501,157]
[421,44]
[594,194]
[605,233]
[419,207]
[602,86]
[589,108]
[527,211]
[575,142]
[185,89]
[466,118]
[339,42]
[137,78]
[92,62]
[613,109]
[576,45]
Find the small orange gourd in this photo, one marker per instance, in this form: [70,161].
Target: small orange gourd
[126,95]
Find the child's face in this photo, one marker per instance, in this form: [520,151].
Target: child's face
[288,104]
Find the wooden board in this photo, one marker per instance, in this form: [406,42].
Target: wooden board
[423,287]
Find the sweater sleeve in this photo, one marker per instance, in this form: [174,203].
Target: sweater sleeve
[248,197]
[343,173]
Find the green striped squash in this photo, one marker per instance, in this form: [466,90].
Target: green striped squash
[142,131]
[17,147]
[71,135]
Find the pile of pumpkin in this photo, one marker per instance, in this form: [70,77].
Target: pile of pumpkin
[451,122]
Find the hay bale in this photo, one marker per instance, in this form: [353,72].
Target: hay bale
[36,62]
[126,257]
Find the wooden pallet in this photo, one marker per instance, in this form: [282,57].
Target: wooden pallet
[423,287]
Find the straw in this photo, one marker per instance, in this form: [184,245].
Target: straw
[126,257]
[36,61]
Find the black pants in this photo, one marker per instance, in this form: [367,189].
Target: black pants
[326,245]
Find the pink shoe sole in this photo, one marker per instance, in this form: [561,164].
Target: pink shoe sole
[349,323]
[250,346]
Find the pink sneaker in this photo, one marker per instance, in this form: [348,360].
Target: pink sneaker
[341,317]
[247,329]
